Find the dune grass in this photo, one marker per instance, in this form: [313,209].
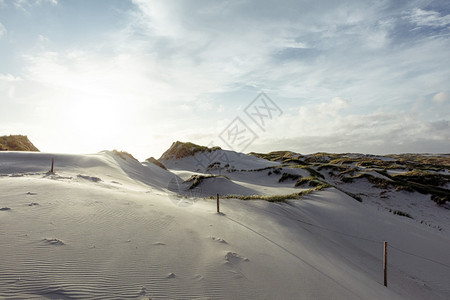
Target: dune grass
[198,179]
[156,162]
[123,155]
[16,143]
[277,198]
[181,149]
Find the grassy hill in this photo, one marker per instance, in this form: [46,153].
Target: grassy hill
[179,150]
[16,143]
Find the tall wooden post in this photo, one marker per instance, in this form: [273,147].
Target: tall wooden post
[53,162]
[385,263]
[218,209]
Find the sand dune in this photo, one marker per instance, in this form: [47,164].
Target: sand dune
[103,227]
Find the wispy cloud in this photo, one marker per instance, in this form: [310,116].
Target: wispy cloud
[422,17]
[326,127]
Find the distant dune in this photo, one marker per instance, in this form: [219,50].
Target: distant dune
[180,150]
[16,143]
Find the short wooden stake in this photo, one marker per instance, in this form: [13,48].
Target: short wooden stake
[385,263]
[218,209]
[53,162]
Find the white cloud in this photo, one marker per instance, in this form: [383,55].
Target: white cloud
[43,39]
[431,18]
[334,48]
[441,97]
[9,78]
[314,129]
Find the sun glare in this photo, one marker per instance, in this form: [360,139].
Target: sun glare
[95,121]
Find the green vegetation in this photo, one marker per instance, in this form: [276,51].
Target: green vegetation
[276,198]
[16,143]
[286,176]
[180,150]
[156,162]
[197,179]
[261,169]
[424,177]
[401,213]
[378,182]
[333,167]
[214,165]
[123,155]
[344,160]
[311,181]
[314,173]
[354,196]
[422,182]
[277,171]
[437,162]
[419,176]
[277,155]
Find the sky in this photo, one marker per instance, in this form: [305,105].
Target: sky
[81,76]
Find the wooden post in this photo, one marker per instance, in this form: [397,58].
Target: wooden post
[218,210]
[385,263]
[53,162]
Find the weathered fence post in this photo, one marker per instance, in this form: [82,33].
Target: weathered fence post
[218,209]
[385,263]
[53,162]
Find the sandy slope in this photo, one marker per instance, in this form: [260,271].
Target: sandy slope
[107,228]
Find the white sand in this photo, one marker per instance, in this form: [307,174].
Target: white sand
[105,228]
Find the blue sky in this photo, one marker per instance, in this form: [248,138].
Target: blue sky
[348,76]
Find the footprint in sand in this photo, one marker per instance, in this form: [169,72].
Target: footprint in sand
[55,242]
[89,178]
[234,258]
[143,292]
[218,240]
[198,277]
[159,244]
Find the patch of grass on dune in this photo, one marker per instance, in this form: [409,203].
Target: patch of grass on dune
[288,176]
[428,161]
[424,177]
[277,198]
[310,180]
[332,167]
[197,179]
[422,182]
[310,170]
[181,149]
[156,162]
[16,143]
[123,155]
[276,155]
